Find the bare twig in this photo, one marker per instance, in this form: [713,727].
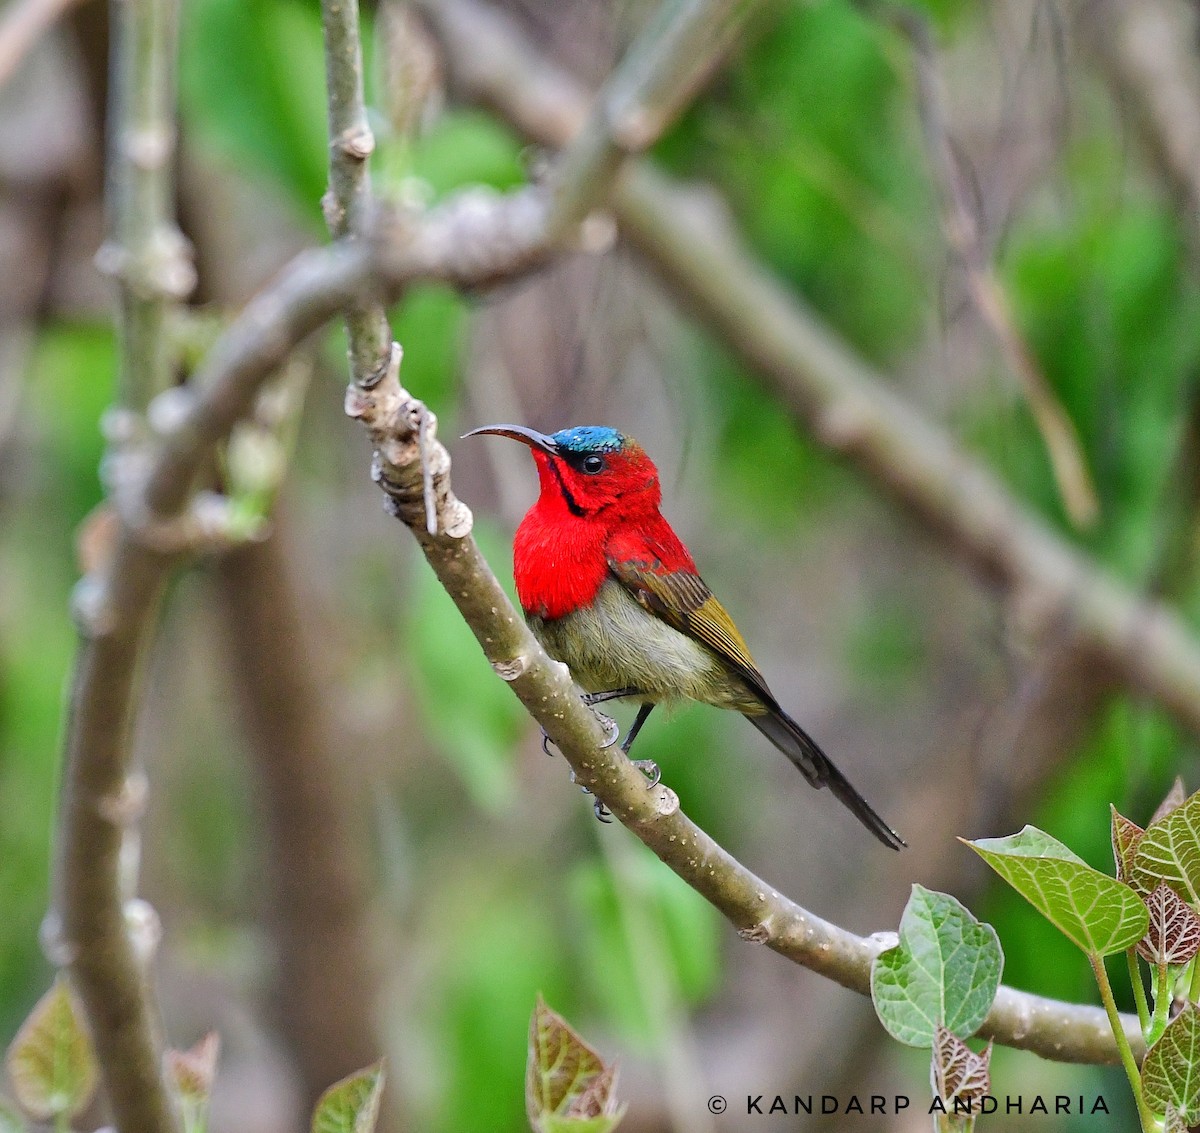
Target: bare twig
[145,250]
[1147,54]
[848,407]
[23,23]
[347,203]
[964,234]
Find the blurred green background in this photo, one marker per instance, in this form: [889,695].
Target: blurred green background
[489,879]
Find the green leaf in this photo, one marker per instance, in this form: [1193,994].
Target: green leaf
[351,1105]
[50,1062]
[945,971]
[1096,912]
[10,1119]
[1170,851]
[1171,1071]
[567,1085]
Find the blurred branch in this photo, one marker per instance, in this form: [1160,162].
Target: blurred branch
[22,24]
[1147,54]
[963,229]
[319,893]
[92,927]
[347,203]
[688,239]
[145,251]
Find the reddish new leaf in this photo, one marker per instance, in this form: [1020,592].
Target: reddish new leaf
[1175,798]
[959,1074]
[1125,838]
[1174,933]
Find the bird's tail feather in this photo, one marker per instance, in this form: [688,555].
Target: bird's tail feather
[819,770]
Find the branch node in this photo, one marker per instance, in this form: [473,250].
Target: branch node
[55,946]
[511,670]
[144,928]
[169,410]
[126,807]
[667,802]
[843,425]
[357,143]
[91,610]
[756,934]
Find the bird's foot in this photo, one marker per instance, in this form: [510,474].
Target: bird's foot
[650,769]
[612,730]
[601,811]
[547,743]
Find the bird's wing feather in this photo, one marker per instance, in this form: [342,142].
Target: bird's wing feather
[681,598]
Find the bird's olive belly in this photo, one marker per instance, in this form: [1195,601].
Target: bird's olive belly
[615,643]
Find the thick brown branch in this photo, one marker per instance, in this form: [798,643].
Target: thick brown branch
[319,896]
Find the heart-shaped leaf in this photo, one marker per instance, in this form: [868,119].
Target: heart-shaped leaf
[944,971]
[1096,912]
[351,1105]
[50,1062]
[1170,851]
[1174,933]
[1171,1071]
[568,1087]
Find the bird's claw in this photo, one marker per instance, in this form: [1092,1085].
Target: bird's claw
[650,769]
[547,743]
[602,812]
[612,730]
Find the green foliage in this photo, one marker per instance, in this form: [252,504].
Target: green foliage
[1171,1070]
[568,1087]
[1097,913]
[472,717]
[429,323]
[1169,851]
[51,1063]
[252,85]
[641,923]
[10,1119]
[351,1105]
[943,973]
[807,140]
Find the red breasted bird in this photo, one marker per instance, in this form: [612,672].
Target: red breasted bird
[608,588]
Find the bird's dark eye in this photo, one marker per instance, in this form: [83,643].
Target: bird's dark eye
[593,464]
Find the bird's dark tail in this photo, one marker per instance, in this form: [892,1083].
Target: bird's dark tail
[818,769]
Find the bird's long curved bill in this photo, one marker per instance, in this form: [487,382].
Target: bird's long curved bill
[530,437]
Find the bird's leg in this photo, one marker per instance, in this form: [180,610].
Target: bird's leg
[590,698]
[646,766]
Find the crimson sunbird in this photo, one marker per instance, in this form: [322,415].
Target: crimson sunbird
[609,589]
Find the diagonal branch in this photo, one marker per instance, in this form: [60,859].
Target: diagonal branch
[845,404]
[394,421]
